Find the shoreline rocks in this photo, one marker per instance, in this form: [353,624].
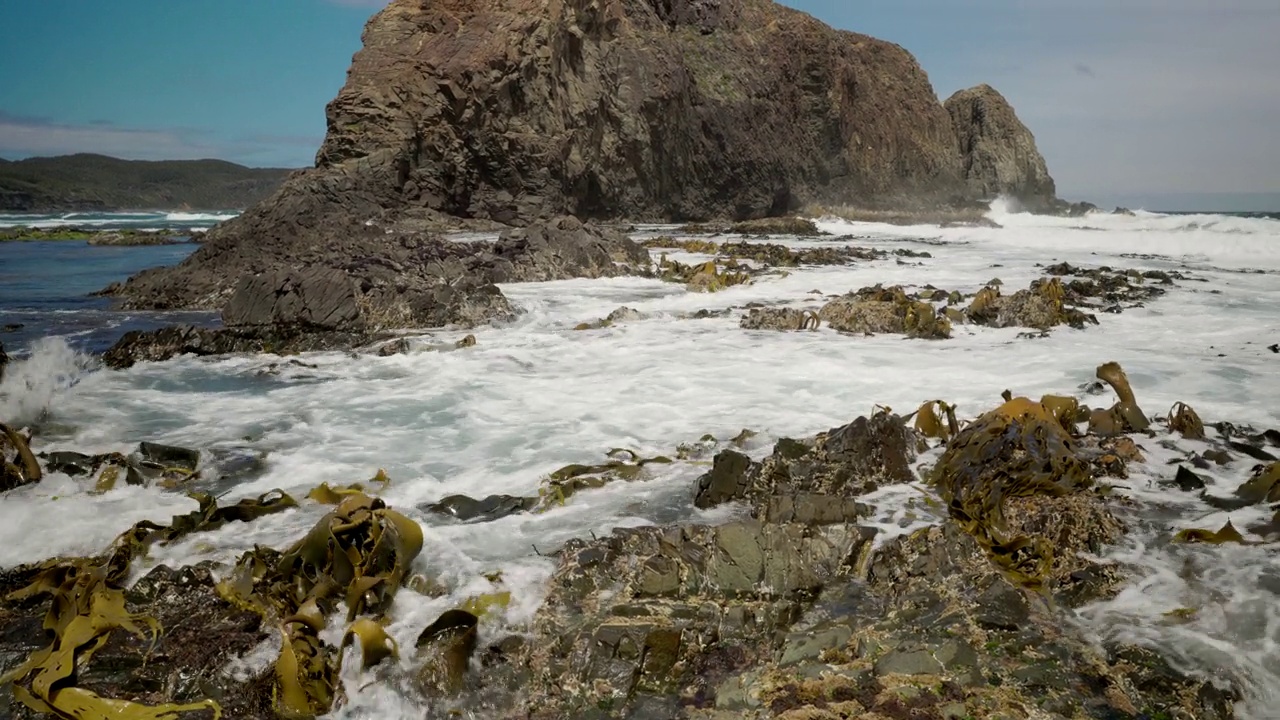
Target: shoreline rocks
[795,610]
[356,290]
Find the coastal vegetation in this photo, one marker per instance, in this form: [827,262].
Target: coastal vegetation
[88,182]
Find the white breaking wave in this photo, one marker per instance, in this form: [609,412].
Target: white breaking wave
[535,395]
[30,384]
[116,220]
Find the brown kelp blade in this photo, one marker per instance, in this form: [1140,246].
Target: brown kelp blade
[1184,420]
[1226,534]
[447,645]
[30,466]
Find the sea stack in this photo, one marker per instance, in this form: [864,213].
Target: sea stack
[998,153]
[515,112]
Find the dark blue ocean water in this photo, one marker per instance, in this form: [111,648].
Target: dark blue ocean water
[46,286]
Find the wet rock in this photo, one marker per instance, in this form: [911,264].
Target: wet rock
[493,507]
[622,314]
[399,346]
[727,480]
[1041,307]
[69,463]
[169,455]
[1186,480]
[4,361]
[158,345]
[842,463]
[780,319]
[801,227]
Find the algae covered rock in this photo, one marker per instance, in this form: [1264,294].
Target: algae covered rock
[1041,306]
[842,463]
[879,310]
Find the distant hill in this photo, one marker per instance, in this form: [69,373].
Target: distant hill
[97,182]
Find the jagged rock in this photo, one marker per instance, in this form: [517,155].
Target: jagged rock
[847,461]
[998,152]
[4,361]
[363,285]
[799,618]
[314,298]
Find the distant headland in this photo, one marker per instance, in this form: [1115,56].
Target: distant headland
[88,182]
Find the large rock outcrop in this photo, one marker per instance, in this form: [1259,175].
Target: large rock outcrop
[509,112]
[998,152]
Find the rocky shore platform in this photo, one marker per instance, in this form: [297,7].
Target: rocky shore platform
[797,608]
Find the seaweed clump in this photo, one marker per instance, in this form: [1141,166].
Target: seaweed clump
[359,553]
[1018,450]
[87,604]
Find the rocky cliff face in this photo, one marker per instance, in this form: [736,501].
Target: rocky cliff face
[998,152]
[515,111]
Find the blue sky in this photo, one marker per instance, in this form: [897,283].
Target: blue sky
[1127,98]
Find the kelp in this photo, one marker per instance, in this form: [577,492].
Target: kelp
[929,424]
[878,309]
[1064,409]
[704,277]
[984,307]
[327,494]
[360,553]
[447,646]
[1226,534]
[1020,449]
[88,604]
[26,471]
[564,483]
[1123,417]
[375,644]
[1184,421]
[1263,487]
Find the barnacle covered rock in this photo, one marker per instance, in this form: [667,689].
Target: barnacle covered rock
[1041,306]
[780,319]
[885,310]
